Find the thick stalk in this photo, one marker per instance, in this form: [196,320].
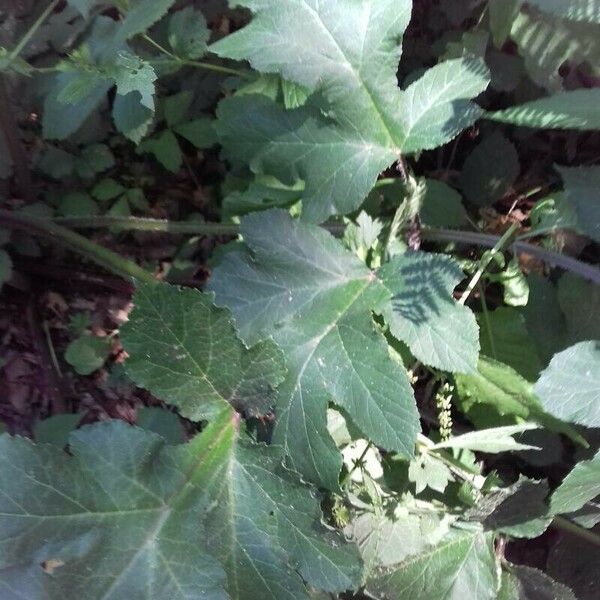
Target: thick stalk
[65,237]
[568,263]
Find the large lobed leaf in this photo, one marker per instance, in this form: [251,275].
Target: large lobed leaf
[359,121]
[185,350]
[297,284]
[127,516]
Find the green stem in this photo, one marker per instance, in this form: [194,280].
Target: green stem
[142,224]
[580,532]
[31,31]
[568,263]
[193,63]
[486,260]
[64,237]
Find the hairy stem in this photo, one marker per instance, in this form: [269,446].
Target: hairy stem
[568,263]
[65,237]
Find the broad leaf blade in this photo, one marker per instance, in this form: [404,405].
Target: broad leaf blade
[578,109]
[569,388]
[358,121]
[297,284]
[576,10]
[129,516]
[463,568]
[578,487]
[582,191]
[185,350]
[422,312]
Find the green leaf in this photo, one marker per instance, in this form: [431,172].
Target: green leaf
[175,107]
[84,6]
[188,33]
[140,16]
[132,74]
[107,189]
[428,472]
[162,422]
[77,204]
[165,149]
[131,117]
[582,192]
[126,515]
[298,285]
[201,132]
[87,353]
[502,14]
[577,10]
[442,206]
[581,485]
[494,440]
[498,388]
[352,77]
[490,170]
[546,42]
[527,583]
[519,510]
[423,314]
[94,159]
[185,351]
[461,568]
[56,429]
[579,301]
[578,109]
[569,388]
[261,194]
[504,336]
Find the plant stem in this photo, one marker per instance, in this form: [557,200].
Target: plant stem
[580,532]
[31,31]
[357,464]
[65,237]
[193,63]
[486,316]
[486,260]
[568,263]
[143,224]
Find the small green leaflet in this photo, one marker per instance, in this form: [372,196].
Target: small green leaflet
[581,485]
[128,516]
[463,567]
[297,284]
[582,192]
[569,388]
[578,109]
[576,10]
[185,350]
[358,121]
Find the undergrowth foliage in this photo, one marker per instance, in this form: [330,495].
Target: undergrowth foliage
[310,474]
